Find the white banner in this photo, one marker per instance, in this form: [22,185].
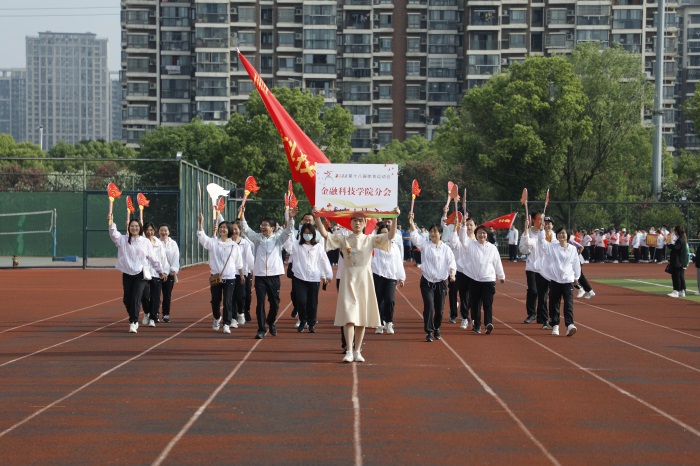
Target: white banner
[342,189]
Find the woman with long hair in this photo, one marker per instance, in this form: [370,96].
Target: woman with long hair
[172,252]
[133,251]
[678,261]
[387,272]
[242,291]
[151,292]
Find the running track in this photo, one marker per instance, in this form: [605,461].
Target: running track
[77,388]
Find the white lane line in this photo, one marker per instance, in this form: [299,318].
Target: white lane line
[357,437]
[492,393]
[605,381]
[96,379]
[76,310]
[646,283]
[198,413]
[83,335]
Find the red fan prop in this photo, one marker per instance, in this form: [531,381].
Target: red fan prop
[450,187]
[142,202]
[454,194]
[221,205]
[288,196]
[113,193]
[251,186]
[455,218]
[523,201]
[129,206]
[415,192]
[546,201]
[293,202]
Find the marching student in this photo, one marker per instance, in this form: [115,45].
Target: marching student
[242,290]
[225,260]
[307,219]
[268,268]
[438,265]
[562,267]
[133,251]
[151,292]
[448,232]
[464,275]
[172,252]
[357,306]
[387,272]
[537,284]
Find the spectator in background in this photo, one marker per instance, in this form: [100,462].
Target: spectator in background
[678,262]
[586,243]
[492,236]
[624,246]
[513,243]
[614,239]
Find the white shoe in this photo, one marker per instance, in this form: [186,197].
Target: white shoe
[358,356]
[555,330]
[297,324]
[215,325]
[132,328]
[673,294]
[390,328]
[348,357]
[681,294]
[227,329]
[615,262]
[136,325]
[464,324]
[234,323]
[590,294]
[145,319]
[379,330]
[151,323]
[241,319]
[581,292]
[570,330]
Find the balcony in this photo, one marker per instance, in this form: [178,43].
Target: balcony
[357,72]
[483,69]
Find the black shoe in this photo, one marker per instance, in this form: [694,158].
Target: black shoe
[312,329]
[429,337]
[489,328]
[260,335]
[477,329]
[301,326]
[453,320]
[294,313]
[273,330]
[166,318]
[437,333]
[247,316]
[529,319]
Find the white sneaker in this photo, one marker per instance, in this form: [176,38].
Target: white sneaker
[570,330]
[215,325]
[673,294]
[348,357]
[151,323]
[132,328]
[145,319]
[555,330]
[136,325]
[464,324]
[390,328]
[615,262]
[227,329]
[581,292]
[358,356]
[234,323]
[379,330]
[241,319]
[681,294]
[297,324]
[590,294]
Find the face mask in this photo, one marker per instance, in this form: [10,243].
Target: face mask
[308,237]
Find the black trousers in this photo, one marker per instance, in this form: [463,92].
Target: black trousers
[599,254]
[482,293]
[637,254]
[267,287]
[583,282]
[433,303]
[225,289]
[248,292]
[660,254]
[678,278]
[512,252]
[624,253]
[586,253]
[151,306]
[616,252]
[644,253]
[307,300]
[542,294]
[452,292]
[292,293]
[167,294]
[461,284]
[557,291]
[133,289]
[416,255]
[239,297]
[385,289]
[531,299]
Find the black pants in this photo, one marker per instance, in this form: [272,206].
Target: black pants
[461,284]
[660,254]
[133,289]
[307,300]
[556,292]
[616,252]
[385,289]
[151,306]
[167,294]
[542,294]
[531,299]
[586,253]
[433,303]
[417,255]
[482,293]
[624,253]
[239,297]
[248,293]
[678,278]
[583,282]
[225,289]
[267,287]
[452,292]
[600,254]
[407,256]
[513,252]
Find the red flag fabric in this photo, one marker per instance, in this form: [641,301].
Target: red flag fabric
[302,153]
[502,222]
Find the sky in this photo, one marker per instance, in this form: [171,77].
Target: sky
[19,19]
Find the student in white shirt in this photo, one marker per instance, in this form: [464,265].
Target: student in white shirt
[241,292]
[537,284]
[172,252]
[464,275]
[438,264]
[225,259]
[563,269]
[150,298]
[513,243]
[133,251]
[661,246]
[387,272]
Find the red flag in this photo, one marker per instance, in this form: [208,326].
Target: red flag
[302,153]
[500,223]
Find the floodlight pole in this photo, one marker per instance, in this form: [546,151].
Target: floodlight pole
[658,102]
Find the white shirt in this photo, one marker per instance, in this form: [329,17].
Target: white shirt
[159,252]
[637,240]
[561,264]
[599,240]
[246,254]
[485,261]
[458,245]
[172,252]
[309,262]
[534,255]
[513,236]
[586,240]
[268,250]
[131,257]
[389,264]
[624,239]
[660,240]
[222,254]
[437,260]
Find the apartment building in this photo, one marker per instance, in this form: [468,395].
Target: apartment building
[13,90]
[396,65]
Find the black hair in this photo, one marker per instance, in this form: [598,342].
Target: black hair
[149,225]
[228,227]
[140,228]
[680,232]
[308,213]
[270,222]
[164,225]
[535,214]
[436,226]
[481,227]
[381,225]
[568,235]
[311,229]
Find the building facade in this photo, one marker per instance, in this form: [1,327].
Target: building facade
[68,88]
[115,99]
[396,65]
[13,91]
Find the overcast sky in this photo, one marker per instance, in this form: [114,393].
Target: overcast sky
[19,19]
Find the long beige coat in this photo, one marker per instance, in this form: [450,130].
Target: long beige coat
[357,301]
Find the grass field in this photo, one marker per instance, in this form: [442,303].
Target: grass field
[658,286]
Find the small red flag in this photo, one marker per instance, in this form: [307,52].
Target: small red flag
[130,205]
[503,222]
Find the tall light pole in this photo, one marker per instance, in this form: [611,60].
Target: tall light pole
[41,137]
[658,102]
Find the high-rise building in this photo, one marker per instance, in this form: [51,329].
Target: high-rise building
[67,88]
[13,89]
[116,107]
[396,65]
